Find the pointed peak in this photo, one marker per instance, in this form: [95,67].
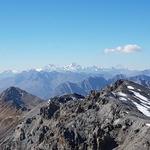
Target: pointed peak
[14,89]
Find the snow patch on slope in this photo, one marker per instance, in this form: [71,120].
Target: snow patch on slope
[142,109]
[140,96]
[130,87]
[123,99]
[141,102]
[122,94]
[148,124]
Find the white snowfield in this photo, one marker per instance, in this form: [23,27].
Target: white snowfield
[143,104]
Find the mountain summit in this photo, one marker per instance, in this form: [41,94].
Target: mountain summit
[18,98]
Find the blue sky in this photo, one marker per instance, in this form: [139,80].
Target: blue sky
[35,33]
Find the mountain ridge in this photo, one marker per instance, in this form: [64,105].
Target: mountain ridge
[102,120]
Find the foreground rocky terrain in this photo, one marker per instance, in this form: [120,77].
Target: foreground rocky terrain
[116,117]
[14,103]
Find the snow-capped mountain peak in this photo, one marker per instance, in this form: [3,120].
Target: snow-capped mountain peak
[72,67]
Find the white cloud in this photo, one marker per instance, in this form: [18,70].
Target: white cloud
[129,48]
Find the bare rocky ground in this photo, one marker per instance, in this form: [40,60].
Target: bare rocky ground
[14,104]
[115,118]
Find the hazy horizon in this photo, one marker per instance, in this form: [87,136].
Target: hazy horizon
[60,66]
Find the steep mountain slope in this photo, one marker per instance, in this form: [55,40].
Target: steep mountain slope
[83,88]
[14,103]
[141,79]
[68,88]
[19,99]
[93,83]
[115,118]
[130,93]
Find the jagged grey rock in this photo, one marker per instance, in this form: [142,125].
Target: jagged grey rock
[108,119]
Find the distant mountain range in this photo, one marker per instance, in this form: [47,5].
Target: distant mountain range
[53,80]
[73,67]
[40,83]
